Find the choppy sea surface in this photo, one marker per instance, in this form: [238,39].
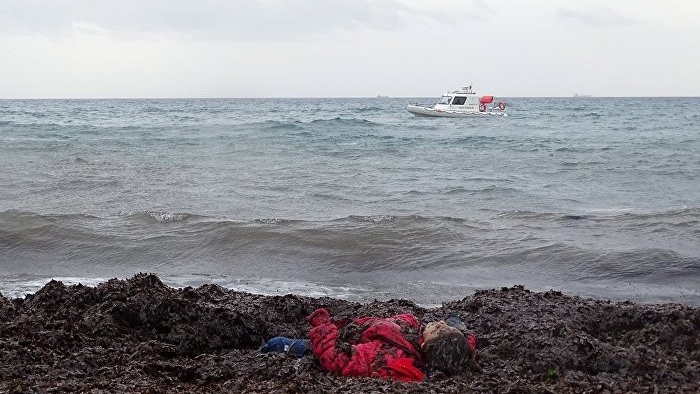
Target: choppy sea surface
[354,198]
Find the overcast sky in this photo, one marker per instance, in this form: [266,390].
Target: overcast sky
[347,48]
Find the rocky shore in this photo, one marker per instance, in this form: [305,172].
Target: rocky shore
[140,336]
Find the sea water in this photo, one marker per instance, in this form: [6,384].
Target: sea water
[354,198]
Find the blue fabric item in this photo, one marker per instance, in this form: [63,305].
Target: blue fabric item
[296,347]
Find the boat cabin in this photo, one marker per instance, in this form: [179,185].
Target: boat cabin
[459,100]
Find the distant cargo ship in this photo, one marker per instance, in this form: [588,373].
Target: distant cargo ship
[581,95]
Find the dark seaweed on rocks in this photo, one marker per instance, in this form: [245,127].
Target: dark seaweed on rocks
[139,335]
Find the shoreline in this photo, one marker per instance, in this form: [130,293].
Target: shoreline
[355,291]
[139,335]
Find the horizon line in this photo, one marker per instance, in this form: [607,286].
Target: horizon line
[312,97]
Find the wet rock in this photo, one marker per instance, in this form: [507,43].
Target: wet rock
[139,335]
[7,309]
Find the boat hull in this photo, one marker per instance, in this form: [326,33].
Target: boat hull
[438,113]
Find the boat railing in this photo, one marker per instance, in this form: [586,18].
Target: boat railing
[464,90]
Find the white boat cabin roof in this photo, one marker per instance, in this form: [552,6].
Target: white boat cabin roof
[464,90]
[465,96]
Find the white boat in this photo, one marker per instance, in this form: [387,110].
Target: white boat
[461,104]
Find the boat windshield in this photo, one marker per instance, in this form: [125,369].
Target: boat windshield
[444,100]
[459,100]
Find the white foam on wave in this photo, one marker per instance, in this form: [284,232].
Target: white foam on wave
[20,286]
[167,216]
[268,286]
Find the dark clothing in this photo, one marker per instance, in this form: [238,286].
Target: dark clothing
[296,347]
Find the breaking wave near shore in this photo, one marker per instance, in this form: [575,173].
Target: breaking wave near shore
[366,257]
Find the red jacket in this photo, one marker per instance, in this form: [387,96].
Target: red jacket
[374,347]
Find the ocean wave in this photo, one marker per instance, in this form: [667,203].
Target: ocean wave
[373,218]
[307,126]
[474,140]
[19,218]
[685,219]
[525,245]
[368,109]
[404,219]
[338,121]
[685,214]
[34,125]
[282,126]
[168,216]
[644,264]
[275,221]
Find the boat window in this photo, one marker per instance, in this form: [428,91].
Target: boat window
[459,100]
[444,100]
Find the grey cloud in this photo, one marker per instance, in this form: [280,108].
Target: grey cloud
[595,17]
[223,19]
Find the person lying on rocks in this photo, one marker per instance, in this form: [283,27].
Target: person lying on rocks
[397,347]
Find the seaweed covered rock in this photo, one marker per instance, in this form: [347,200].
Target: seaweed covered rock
[7,309]
[139,335]
[567,341]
